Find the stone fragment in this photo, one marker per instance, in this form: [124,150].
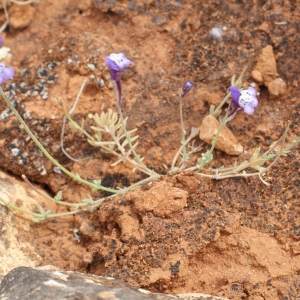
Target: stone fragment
[20,16]
[226,142]
[277,87]
[266,65]
[5,55]
[171,200]
[265,72]
[256,75]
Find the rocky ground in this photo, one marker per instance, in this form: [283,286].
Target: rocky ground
[235,238]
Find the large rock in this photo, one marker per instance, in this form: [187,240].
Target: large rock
[16,247]
[28,283]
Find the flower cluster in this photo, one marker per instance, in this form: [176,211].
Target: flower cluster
[5,72]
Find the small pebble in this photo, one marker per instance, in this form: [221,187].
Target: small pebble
[22,160]
[24,71]
[10,87]
[27,115]
[42,73]
[42,171]
[44,95]
[11,94]
[5,114]
[15,103]
[91,67]
[50,79]
[23,90]
[41,82]
[16,151]
[57,170]
[51,65]
[101,83]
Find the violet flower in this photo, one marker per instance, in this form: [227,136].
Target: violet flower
[245,99]
[186,88]
[117,63]
[5,72]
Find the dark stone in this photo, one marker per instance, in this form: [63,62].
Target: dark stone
[175,268]
[24,283]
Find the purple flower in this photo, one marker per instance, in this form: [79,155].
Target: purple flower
[245,99]
[117,63]
[6,73]
[186,88]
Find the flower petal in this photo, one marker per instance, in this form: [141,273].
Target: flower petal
[8,72]
[1,41]
[111,64]
[248,110]
[5,73]
[252,90]
[117,61]
[186,88]
[247,99]
[235,94]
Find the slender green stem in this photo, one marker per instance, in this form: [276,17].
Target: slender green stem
[183,133]
[238,83]
[49,198]
[123,156]
[217,111]
[120,156]
[36,215]
[127,136]
[46,153]
[76,126]
[282,140]
[193,134]
[213,144]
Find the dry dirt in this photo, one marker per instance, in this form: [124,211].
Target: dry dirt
[235,238]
